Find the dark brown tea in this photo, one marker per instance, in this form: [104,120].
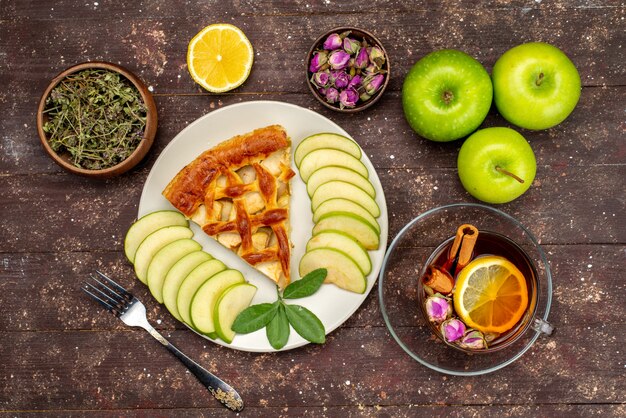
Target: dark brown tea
[489,281]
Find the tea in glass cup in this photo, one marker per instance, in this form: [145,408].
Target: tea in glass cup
[427,241]
[478,290]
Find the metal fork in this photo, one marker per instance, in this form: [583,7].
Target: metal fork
[132,312]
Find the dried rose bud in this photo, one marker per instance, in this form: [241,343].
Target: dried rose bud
[342,80]
[334,74]
[321,79]
[452,329]
[319,59]
[332,95]
[348,98]
[373,83]
[438,308]
[377,57]
[355,81]
[338,59]
[371,69]
[333,42]
[364,97]
[362,59]
[473,340]
[322,91]
[351,46]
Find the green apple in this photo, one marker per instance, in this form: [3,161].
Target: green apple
[496,165]
[153,243]
[329,173]
[342,270]
[176,275]
[339,204]
[325,140]
[338,188]
[345,243]
[146,225]
[325,157]
[446,95]
[192,283]
[351,224]
[202,307]
[163,261]
[229,305]
[535,85]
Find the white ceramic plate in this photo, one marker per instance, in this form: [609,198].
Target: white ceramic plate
[332,305]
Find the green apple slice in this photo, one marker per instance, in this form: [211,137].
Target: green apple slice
[203,303]
[351,224]
[344,243]
[146,225]
[192,283]
[337,188]
[230,304]
[329,173]
[325,140]
[153,243]
[343,205]
[319,158]
[342,270]
[163,261]
[176,275]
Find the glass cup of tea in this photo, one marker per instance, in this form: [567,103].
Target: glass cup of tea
[432,242]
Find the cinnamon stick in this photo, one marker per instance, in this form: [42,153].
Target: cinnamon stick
[463,246]
[441,280]
[438,280]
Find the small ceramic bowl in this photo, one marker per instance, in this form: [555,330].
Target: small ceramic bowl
[358,34]
[64,159]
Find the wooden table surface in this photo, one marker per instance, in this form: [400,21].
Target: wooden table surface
[61,355]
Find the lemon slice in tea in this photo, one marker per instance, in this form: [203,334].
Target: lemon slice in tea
[220,57]
[491,294]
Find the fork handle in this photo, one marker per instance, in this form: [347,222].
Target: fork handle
[222,391]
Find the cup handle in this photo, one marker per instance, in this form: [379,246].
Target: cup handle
[542,326]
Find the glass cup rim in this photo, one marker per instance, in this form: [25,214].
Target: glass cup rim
[394,244]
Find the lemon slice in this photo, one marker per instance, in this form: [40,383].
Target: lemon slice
[490,294]
[220,57]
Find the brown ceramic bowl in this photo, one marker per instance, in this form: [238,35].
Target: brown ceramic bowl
[359,34]
[63,159]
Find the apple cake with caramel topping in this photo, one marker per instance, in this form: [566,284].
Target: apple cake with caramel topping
[238,193]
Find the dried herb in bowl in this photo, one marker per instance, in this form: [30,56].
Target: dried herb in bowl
[97,116]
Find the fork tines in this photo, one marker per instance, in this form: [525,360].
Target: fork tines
[110,295]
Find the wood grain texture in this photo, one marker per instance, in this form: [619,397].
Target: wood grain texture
[40,290]
[586,138]
[99,213]
[127,369]
[402,411]
[60,355]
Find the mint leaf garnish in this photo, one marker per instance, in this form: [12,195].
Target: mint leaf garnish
[277,330]
[306,286]
[254,317]
[306,323]
[276,317]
